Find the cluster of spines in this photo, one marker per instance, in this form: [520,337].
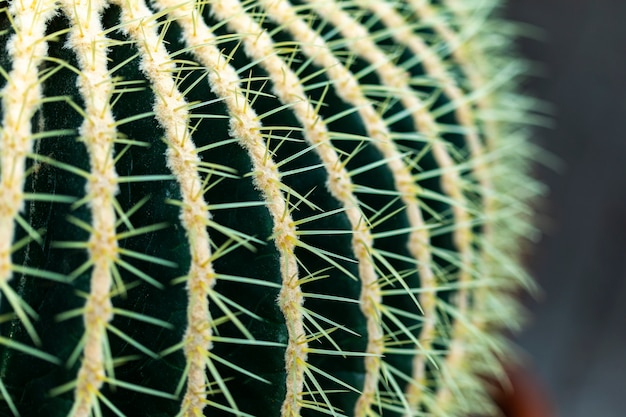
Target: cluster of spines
[146,30]
[20,98]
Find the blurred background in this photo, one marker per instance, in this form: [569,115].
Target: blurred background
[576,340]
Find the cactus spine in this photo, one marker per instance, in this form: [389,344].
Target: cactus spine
[257,208]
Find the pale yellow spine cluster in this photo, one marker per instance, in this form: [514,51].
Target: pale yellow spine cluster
[171,110]
[436,68]
[465,116]
[98,133]
[290,90]
[460,52]
[20,99]
[347,87]
[459,47]
[259,47]
[246,126]
[397,80]
[458,44]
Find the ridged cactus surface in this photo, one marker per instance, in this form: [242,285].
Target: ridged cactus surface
[257,208]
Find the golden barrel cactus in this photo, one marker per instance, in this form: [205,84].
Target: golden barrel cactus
[258,208]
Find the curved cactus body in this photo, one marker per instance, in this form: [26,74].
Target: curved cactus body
[256,208]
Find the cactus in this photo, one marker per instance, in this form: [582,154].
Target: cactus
[258,208]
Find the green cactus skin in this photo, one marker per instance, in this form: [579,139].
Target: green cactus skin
[258,208]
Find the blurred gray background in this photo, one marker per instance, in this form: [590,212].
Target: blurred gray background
[577,338]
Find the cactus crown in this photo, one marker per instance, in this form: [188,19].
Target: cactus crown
[257,208]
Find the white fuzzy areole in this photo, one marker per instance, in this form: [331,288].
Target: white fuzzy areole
[98,133]
[245,126]
[466,117]
[260,47]
[170,108]
[348,88]
[462,56]
[20,99]
[398,80]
